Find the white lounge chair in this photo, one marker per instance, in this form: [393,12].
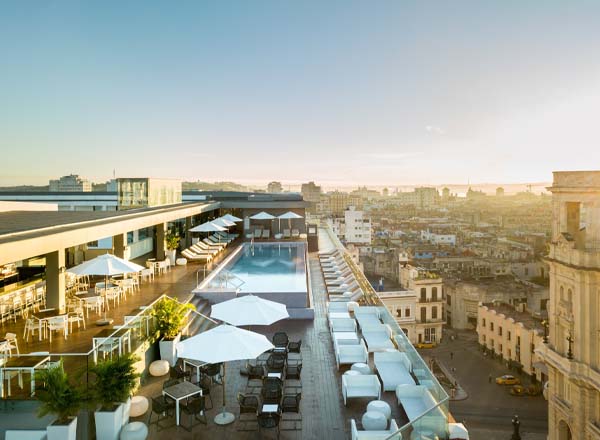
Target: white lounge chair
[203,248]
[211,244]
[366,321]
[416,401]
[287,233]
[266,233]
[362,385]
[342,325]
[350,354]
[195,257]
[394,369]
[257,233]
[337,307]
[378,340]
[295,233]
[373,435]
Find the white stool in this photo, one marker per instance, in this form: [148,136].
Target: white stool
[380,406]
[139,406]
[134,431]
[181,261]
[361,368]
[159,368]
[374,421]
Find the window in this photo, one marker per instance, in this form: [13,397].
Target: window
[508,335]
[434,312]
[423,314]
[483,322]
[423,294]
[448,299]
[434,294]
[500,347]
[500,330]
[491,326]
[483,338]
[406,312]
[518,341]
[509,354]
[399,313]
[562,293]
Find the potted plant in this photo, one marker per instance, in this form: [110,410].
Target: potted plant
[115,381]
[172,240]
[170,317]
[59,397]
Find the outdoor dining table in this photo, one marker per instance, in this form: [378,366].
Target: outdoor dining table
[20,364]
[181,391]
[270,408]
[43,316]
[196,364]
[112,335]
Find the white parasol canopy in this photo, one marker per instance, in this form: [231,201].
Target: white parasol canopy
[223,222]
[107,265]
[232,218]
[208,227]
[262,216]
[249,310]
[223,344]
[289,216]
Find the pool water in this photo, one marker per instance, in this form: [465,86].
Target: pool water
[270,267]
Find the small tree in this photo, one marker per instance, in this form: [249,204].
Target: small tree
[57,395]
[115,381]
[172,239]
[170,316]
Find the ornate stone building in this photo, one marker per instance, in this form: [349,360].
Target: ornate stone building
[572,354]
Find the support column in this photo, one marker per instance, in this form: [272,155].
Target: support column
[119,245]
[55,280]
[160,241]
[188,235]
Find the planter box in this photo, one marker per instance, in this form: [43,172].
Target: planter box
[171,255]
[167,350]
[62,432]
[126,411]
[109,423]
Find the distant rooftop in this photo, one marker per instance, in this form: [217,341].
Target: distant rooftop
[509,311]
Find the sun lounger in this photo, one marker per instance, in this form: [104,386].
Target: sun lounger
[342,325]
[295,233]
[213,244]
[366,320]
[257,233]
[327,252]
[378,339]
[343,287]
[394,369]
[195,257]
[266,233]
[337,307]
[368,310]
[201,247]
[417,400]
[339,281]
[287,233]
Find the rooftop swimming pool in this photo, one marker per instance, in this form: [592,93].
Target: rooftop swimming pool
[273,271]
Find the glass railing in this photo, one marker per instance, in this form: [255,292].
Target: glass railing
[435,419]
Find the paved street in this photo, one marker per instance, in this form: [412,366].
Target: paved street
[488,408]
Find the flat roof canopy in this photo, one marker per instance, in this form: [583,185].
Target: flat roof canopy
[27,234]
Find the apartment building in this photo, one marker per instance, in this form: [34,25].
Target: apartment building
[438,239]
[428,288]
[573,351]
[402,305]
[358,226]
[513,336]
[274,187]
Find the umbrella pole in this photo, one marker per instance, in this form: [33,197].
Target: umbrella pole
[224,417]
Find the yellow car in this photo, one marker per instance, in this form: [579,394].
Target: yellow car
[507,379]
[425,344]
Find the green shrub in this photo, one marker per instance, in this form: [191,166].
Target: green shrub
[56,394]
[114,382]
[170,317]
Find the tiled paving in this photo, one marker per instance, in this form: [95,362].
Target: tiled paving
[323,413]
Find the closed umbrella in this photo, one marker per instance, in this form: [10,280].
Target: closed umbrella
[107,265]
[249,310]
[224,343]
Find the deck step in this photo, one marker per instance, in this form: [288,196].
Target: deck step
[200,325]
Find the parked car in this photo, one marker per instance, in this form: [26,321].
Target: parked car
[517,390]
[507,379]
[425,344]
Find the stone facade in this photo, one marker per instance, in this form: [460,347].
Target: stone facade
[573,352]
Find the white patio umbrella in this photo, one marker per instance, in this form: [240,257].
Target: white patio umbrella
[289,216]
[107,265]
[223,222]
[224,343]
[262,216]
[249,310]
[208,227]
[232,218]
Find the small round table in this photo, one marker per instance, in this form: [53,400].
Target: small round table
[361,368]
[374,421]
[381,407]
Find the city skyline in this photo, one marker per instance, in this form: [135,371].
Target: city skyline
[341,93]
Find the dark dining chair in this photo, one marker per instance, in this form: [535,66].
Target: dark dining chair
[195,411]
[164,409]
[269,421]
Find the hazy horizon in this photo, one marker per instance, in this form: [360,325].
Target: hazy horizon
[384,94]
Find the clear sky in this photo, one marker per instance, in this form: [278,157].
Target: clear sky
[341,92]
